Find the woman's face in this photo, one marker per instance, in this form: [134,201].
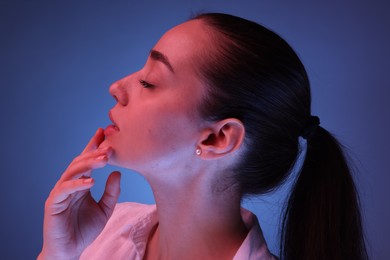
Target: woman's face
[156,120]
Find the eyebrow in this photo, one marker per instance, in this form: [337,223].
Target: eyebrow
[158,56]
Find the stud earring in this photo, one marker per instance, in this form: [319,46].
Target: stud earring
[198,151]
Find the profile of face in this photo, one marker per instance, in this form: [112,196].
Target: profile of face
[156,123]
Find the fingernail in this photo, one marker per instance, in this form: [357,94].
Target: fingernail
[104,149]
[101,157]
[87,180]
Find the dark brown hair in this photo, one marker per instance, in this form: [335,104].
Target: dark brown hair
[253,75]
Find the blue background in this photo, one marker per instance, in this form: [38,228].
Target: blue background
[58,58]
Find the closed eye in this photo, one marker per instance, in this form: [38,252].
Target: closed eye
[146,84]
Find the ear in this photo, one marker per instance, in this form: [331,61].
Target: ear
[221,138]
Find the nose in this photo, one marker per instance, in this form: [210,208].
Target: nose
[119,93]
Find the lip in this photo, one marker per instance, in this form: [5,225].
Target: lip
[111,129]
[112,119]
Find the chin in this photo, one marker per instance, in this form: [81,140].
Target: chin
[114,161]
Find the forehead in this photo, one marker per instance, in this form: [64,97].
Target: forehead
[184,44]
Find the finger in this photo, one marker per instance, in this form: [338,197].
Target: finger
[84,167]
[111,193]
[95,141]
[93,154]
[67,188]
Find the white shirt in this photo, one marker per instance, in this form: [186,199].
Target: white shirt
[127,232]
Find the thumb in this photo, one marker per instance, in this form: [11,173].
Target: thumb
[111,193]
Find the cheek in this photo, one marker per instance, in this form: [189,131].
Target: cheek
[156,126]
[172,145]
[170,132]
[160,136]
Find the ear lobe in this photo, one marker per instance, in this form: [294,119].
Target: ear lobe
[222,138]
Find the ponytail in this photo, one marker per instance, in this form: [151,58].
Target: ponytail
[252,74]
[322,218]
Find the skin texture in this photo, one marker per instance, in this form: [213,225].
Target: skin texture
[158,126]
[157,130]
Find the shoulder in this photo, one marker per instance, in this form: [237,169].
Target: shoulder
[125,233]
[132,210]
[129,217]
[254,246]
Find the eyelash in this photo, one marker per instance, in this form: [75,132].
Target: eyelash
[145,84]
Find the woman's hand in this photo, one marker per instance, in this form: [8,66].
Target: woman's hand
[73,219]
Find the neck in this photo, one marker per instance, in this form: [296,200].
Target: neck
[196,221]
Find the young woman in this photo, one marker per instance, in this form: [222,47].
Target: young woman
[217,113]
